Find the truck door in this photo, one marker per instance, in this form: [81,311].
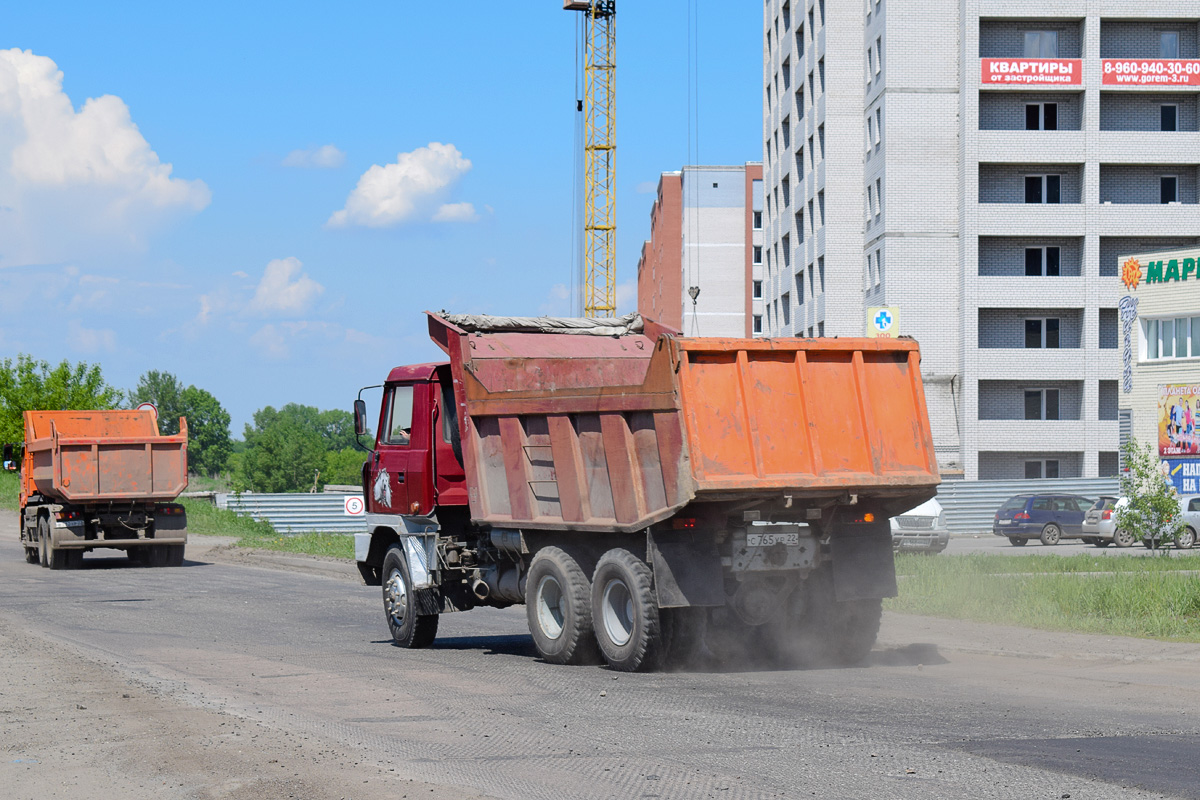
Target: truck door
[390,465]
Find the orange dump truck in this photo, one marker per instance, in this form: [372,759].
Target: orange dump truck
[92,479]
[643,493]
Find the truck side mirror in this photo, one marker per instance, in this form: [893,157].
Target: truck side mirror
[360,417]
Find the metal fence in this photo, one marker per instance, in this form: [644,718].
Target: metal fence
[297,513]
[971,505]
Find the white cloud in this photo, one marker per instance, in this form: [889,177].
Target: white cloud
[90,340]
[72,182]
[455,212]
[270,342]
[325,157]
[284,289]
[409,189]
[237,273]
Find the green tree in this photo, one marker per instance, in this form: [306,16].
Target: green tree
[209,445]
[30,384]
[283,451]
[344,467]
[166,392]
[1152,510]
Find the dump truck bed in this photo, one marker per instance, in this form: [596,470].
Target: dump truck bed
[616,432]
[99,456]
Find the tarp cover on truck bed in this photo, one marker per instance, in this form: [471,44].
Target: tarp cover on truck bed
[618,432]
[94,456]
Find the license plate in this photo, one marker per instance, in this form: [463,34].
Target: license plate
[768,539]
[1004,522]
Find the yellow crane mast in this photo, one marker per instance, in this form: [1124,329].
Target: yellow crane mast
[600,154]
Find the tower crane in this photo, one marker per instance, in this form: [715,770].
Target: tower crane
[600,152]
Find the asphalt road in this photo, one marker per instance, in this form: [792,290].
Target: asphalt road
[941,710]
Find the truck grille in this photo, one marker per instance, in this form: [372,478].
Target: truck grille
[925,523]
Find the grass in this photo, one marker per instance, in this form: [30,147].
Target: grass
[1156,598]
[9,490]
[205,519]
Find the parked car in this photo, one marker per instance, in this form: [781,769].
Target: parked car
[921,530]
[1046,517]
[1100,523]
[1189,507]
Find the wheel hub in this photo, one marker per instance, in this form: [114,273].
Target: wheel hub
[395,593]
[617,612]
[550,612]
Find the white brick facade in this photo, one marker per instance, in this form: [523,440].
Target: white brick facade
[925,176]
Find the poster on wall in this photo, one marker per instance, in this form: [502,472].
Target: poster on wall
[1178,419]
[1184,474]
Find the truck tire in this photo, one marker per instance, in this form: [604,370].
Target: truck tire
[399,604]
[625,613]
[173,555]
[55,557]
[558,607]
[825,632]
[43,534]
[857,628]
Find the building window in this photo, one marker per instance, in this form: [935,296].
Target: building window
[1041,44]
[1168,118]
[1042,333]
[786,186]
[821,205]
[820,329]
[870,270]
[870,65]
[787,250]
[878,54]
[1047,468]
[878,197]
[800,41]
[870,134]
[1041,116]
[1041,404]
[800,102]
[787,73]
[800,226]
[757,221]
[787,16]
[800,287]
[757,254]
[821,71]
[821,140]
[1041,261]
[757,290]
[821,271]
[1043,188]
[1172,338]
[1168,189]
[1168,44]
[758,323]
[786,301]
[878,267]
[878,127]
[870,204]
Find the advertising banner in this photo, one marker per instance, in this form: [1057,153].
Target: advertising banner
[1150,72]
[1184,474]
[1032,71]
[1178,419]
[883,322]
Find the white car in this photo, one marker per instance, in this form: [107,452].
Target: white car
[1100,524]
[921,530]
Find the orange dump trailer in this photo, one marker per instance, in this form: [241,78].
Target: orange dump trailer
[644,493]
[94,479]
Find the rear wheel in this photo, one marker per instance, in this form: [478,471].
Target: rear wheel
[686,631]
[409,629]
[56,557]
[1051,534]
[1017,541]
[818,630]
[43,534]
[625,613]
[558,608]
[1122,538]
[1186,539]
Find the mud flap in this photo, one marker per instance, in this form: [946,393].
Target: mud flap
[863,564]
[687,569]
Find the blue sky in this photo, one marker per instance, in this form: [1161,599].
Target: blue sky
[266,196]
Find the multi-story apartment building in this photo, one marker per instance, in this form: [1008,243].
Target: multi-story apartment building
[980,165]
[705,234]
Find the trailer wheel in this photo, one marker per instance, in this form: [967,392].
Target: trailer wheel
[43,534]
[558,607]
[625,613]
[408,628]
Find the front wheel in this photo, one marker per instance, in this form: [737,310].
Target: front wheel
[1122,538]
[1186,539]
[409,629]
[558,608]
[625,613]
[1017,541]
[1050,534]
